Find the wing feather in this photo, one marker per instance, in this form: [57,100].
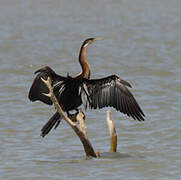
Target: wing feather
[111,91]
[38,87]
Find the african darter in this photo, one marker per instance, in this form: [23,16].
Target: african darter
[72,92]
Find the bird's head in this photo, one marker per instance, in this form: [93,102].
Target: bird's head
[89,41]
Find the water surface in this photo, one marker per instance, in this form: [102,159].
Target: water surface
[142,45]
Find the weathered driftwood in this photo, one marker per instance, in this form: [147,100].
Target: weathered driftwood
[112,132]
[81,132]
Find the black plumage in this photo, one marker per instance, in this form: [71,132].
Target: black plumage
[110,91]
[72,92]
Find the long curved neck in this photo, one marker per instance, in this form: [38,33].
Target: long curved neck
[82,60]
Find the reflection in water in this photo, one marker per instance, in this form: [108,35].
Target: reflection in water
[142,45]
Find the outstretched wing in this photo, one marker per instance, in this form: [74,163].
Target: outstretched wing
[38,87]
[110,91]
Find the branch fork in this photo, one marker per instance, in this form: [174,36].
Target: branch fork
[81,130]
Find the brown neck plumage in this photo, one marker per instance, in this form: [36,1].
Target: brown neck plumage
[82,60]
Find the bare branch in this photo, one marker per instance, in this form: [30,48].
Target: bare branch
[82,134]
[112,132]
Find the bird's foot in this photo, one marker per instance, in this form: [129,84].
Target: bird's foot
[72,117]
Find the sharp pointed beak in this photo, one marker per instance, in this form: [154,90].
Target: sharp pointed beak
[98,39]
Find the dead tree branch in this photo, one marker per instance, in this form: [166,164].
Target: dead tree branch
[112,132]
[81,132]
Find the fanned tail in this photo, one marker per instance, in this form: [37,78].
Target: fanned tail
[53,121]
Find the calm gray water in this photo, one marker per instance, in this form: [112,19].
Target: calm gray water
[142,45]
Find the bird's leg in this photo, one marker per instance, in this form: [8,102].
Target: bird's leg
[73,117]
[79,117]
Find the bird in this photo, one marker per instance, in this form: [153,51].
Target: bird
[72,92]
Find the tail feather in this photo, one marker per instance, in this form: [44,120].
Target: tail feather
[53,121]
